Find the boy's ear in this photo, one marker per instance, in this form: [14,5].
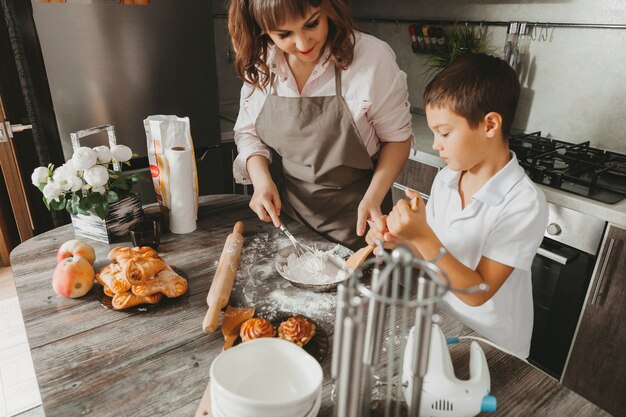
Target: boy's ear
[493,124]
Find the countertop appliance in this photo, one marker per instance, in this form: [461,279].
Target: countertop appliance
[115,64]
[561,272]
[575,168]
[562,269]
[443,394]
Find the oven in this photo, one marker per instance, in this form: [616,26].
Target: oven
[561,272]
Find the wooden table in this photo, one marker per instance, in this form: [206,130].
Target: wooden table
[93,361]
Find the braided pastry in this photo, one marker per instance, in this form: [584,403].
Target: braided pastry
[139,264]
[107,291]
[128,299]
[255,328]
[112,278]
[296,330]
[166,281]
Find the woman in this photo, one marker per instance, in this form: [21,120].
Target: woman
[330,101]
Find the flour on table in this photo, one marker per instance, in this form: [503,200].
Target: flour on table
[256,281]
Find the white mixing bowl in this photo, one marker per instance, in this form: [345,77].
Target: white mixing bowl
[266,377]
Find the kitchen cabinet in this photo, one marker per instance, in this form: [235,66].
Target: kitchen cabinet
[416,175]
[597,361]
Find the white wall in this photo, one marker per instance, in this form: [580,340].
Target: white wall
[574,84]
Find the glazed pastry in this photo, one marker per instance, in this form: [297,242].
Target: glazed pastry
[255,328]
[128,299]
[139,264]
[112,277]
[297,330]
[167,282]
[107,291]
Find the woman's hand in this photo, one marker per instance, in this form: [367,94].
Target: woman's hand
[266,203]
[369,209]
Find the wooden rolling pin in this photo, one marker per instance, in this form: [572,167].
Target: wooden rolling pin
[222,284]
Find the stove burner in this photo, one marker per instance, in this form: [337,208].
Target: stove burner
[575,168]
[560,164]
[617,170]
[537,173]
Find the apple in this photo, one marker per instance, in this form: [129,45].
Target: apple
[76,247]
[73,277]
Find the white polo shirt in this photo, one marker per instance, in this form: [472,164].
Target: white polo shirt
[505,222]
[373,87]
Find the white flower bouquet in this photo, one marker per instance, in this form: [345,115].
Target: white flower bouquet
[86,184]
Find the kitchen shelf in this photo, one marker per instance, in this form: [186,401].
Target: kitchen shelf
[496,23]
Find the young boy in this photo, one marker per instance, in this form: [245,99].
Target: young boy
[482,209]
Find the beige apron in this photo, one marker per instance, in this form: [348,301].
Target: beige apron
[325,166]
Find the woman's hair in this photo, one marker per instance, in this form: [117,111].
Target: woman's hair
[474,85]
[249,21]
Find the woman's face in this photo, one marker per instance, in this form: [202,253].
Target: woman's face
[303,38]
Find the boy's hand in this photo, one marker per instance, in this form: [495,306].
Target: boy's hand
[378,228]
[407,220]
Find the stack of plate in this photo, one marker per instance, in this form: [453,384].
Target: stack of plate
[266,377]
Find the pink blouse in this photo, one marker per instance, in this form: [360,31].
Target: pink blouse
[374,88]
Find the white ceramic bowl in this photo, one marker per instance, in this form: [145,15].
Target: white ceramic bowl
[266,377]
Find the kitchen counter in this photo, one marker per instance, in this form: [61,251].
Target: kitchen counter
[91,360]
[422,151]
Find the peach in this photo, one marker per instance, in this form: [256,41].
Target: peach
[73,277]
[76,247]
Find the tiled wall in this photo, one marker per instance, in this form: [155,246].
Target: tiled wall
[574,84]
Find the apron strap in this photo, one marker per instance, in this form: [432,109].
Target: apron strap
[337,81]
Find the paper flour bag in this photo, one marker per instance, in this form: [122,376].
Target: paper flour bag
[173,169]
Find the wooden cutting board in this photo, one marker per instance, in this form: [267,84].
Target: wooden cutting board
[204,409]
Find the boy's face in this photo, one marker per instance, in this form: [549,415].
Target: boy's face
[460,146]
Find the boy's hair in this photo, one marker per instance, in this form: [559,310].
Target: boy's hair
[250,20]
[474,85]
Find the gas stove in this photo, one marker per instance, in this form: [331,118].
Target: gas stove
[573,167]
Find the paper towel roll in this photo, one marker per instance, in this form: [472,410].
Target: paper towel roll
[183,209]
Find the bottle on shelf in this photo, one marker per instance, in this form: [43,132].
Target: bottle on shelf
[427,40]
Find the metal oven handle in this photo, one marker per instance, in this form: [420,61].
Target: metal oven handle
[563,260]
[596,292]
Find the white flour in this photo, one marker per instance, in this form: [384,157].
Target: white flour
[314,268]
[257,281]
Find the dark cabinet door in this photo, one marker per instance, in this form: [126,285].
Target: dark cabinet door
[596,368]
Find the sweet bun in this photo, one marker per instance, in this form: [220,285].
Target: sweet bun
[296,330]
[255,328]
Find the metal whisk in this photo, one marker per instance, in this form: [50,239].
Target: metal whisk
[312,263]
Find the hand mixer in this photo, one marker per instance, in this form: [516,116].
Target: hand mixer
[443,394]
